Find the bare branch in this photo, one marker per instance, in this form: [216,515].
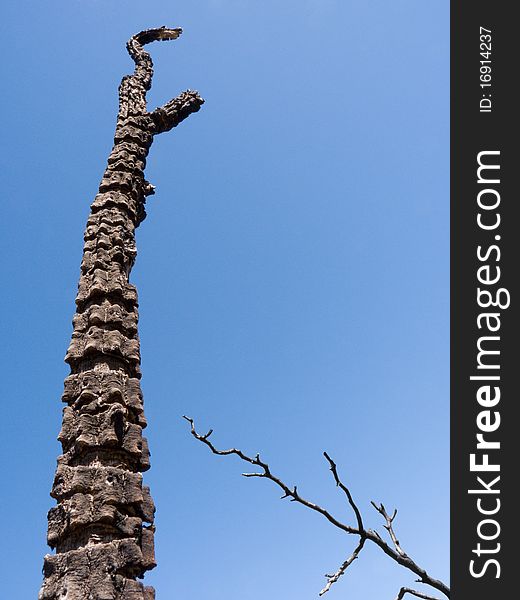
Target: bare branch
[133,88]
[405,590]
[175,111]
[397,554]
[389,527]
[406,561]
[333,578]
[343,487]
[288,493]
[143,62]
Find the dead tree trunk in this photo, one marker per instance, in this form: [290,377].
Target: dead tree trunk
[102,526]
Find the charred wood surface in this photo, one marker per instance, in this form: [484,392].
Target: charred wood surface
[102,525]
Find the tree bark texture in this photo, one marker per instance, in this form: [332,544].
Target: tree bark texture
[102,525]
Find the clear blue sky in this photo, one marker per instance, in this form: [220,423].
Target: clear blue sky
[293,278]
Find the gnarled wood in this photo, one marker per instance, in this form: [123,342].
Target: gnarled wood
[102,526]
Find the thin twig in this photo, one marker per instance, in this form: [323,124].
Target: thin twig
[389,525]
[343,487]
[293,493]
[333,578]
[405,590]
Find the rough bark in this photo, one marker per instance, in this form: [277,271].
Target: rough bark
[102,526]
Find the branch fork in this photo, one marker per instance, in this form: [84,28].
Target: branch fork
[394,551]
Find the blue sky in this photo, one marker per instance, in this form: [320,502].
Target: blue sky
[292,272]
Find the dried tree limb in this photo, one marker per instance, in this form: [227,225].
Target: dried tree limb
[287,492]
[339,484]
[334,577]
[397,554]
[133,88]
[175,111]
[143,62]
[405,590]
[389,527]
[407,562]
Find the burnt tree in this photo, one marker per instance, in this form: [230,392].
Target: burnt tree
[102,526]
